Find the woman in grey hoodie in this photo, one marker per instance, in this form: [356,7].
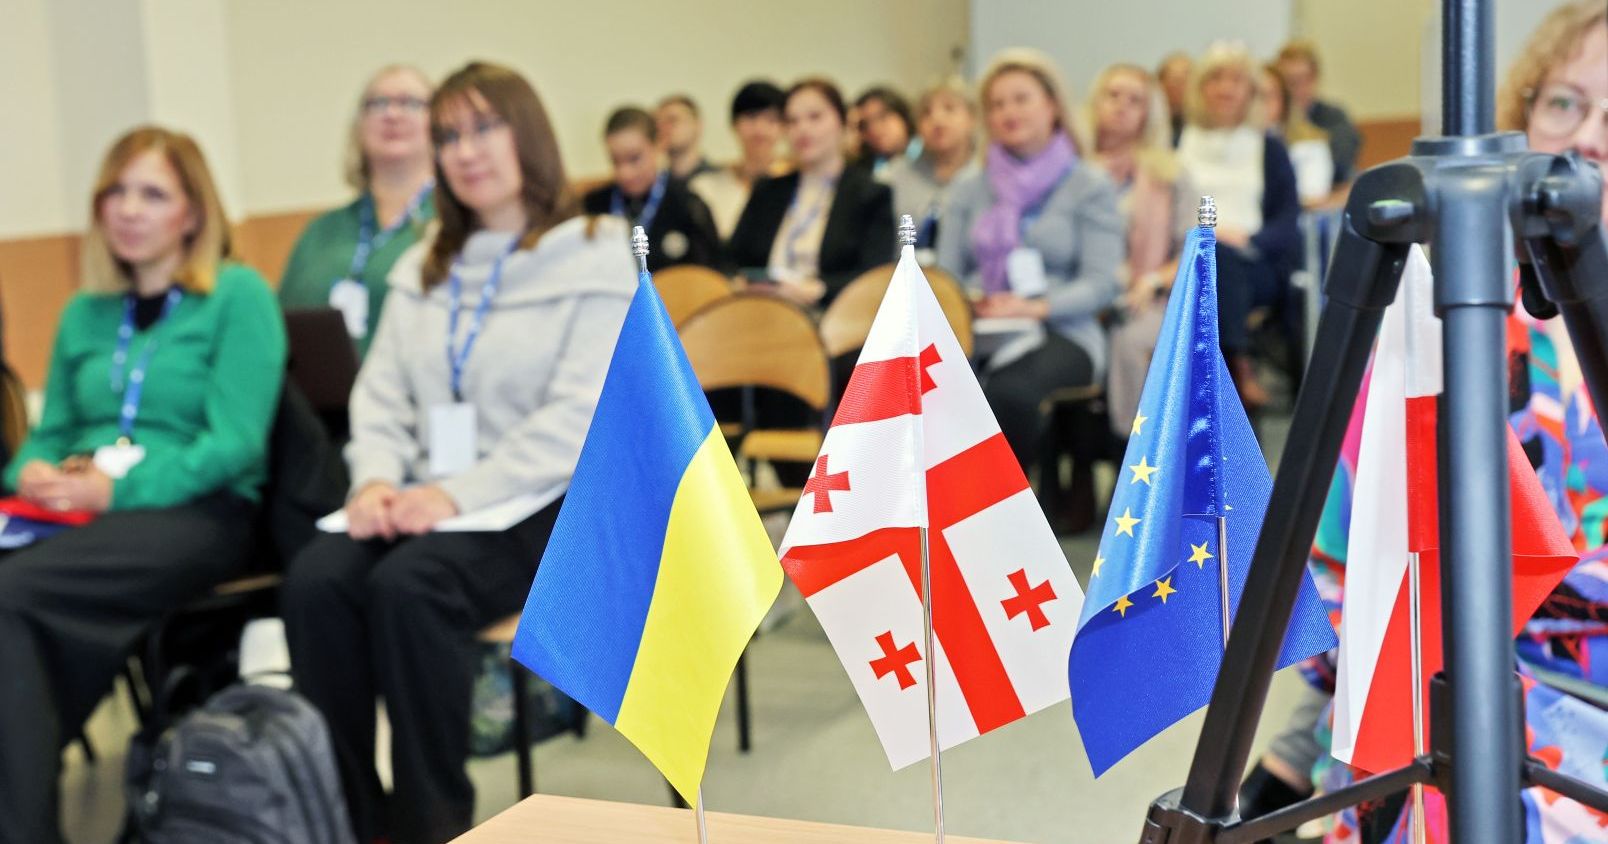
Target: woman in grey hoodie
[477,393]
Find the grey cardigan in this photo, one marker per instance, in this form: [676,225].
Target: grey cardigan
[1081,235]
[534,375]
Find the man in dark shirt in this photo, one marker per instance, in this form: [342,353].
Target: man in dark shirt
[1298,61]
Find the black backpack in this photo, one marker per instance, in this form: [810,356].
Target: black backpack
[253,764]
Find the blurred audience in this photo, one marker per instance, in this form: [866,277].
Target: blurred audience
[1307,144]
[681,134]
[1173,73]
[887,132]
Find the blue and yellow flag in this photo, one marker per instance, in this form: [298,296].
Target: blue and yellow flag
[658,570]
[1189,500]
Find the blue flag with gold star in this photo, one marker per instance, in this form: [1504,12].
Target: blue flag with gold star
[1188,505]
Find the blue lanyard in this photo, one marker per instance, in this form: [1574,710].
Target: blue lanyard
[368,240]
[797,231]
[131,383]
[650,208]
[457,358]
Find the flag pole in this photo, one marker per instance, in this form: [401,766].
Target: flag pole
[639,248]
[907,237]
[1206,217]
[1420,831]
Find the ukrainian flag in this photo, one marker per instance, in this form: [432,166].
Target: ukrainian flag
[658,570]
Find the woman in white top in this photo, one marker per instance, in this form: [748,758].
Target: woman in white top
[478,390]
[1249,173]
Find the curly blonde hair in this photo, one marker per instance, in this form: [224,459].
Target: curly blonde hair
[1155,137]
[1554,42]
[1220,56]
[1042,68]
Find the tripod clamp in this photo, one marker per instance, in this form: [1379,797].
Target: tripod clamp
[1457,193]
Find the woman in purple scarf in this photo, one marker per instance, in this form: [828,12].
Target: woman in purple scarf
[1037,239]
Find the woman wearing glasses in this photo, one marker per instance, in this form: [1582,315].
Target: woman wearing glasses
[478,390]
[343,256]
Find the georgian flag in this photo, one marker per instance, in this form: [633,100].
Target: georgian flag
[915,445]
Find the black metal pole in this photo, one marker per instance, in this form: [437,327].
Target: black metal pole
[1473,295]
[1468,88]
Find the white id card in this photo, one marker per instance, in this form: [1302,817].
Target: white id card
[1024,268]
[452,439]
[115,461]
[351,298]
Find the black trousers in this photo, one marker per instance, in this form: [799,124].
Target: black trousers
[1243,285]
[71,609]
[1016,391]
[398,621]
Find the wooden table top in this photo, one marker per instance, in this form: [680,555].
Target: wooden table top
[571,820]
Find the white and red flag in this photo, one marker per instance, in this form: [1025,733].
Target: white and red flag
[1395,516]
[915,445]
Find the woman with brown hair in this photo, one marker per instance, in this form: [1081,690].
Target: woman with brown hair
[478,391]
[162,388]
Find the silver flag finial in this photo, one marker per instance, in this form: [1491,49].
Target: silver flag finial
[907,230]
[639,247]
[1207,216]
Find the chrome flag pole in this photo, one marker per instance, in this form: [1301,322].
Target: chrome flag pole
[907,237]
[1206,217]
[639,248]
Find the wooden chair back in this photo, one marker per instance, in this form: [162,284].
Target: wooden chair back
[847,322]
[752,339]
[688,288]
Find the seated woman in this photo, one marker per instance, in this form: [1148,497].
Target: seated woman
[886,131]
[1037,238]
[1125,127]
[162,388]
[806,235]
[525,296]
[947,120]
[343,256]
[1308,145]
[1258,233]
[756,122]
[680,229]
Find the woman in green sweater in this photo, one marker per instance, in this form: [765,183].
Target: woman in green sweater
[343,257]
[163,384]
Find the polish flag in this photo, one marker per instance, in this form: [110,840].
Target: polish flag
[914,445]
[1393,517]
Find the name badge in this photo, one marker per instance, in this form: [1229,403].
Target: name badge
[452,439]
[1025,269]
[115,461]
[351,298]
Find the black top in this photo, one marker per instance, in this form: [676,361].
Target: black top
[859,228]
[682,232]
[147,309]
[1345,142]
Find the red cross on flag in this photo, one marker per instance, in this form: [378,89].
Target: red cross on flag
[915,445]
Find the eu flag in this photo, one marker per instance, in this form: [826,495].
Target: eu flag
[1189,501]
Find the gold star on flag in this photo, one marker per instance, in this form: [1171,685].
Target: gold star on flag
[1126,521]
[1200,556]
[1139,419]
[1098,562]
[1142,471]
[1163,589]
[1122,606]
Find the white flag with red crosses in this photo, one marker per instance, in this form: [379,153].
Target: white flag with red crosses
[915,445]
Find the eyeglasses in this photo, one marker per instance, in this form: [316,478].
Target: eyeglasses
[1557,111]
[382,104]
[449,136]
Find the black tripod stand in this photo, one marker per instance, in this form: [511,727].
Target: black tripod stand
[1459,193]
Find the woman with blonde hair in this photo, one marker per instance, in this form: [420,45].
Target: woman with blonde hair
[1308,145]
[1249,174]
[343,256]
[1037,238]
[162,388]
[478,391]
[946,121]
[1125,126]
